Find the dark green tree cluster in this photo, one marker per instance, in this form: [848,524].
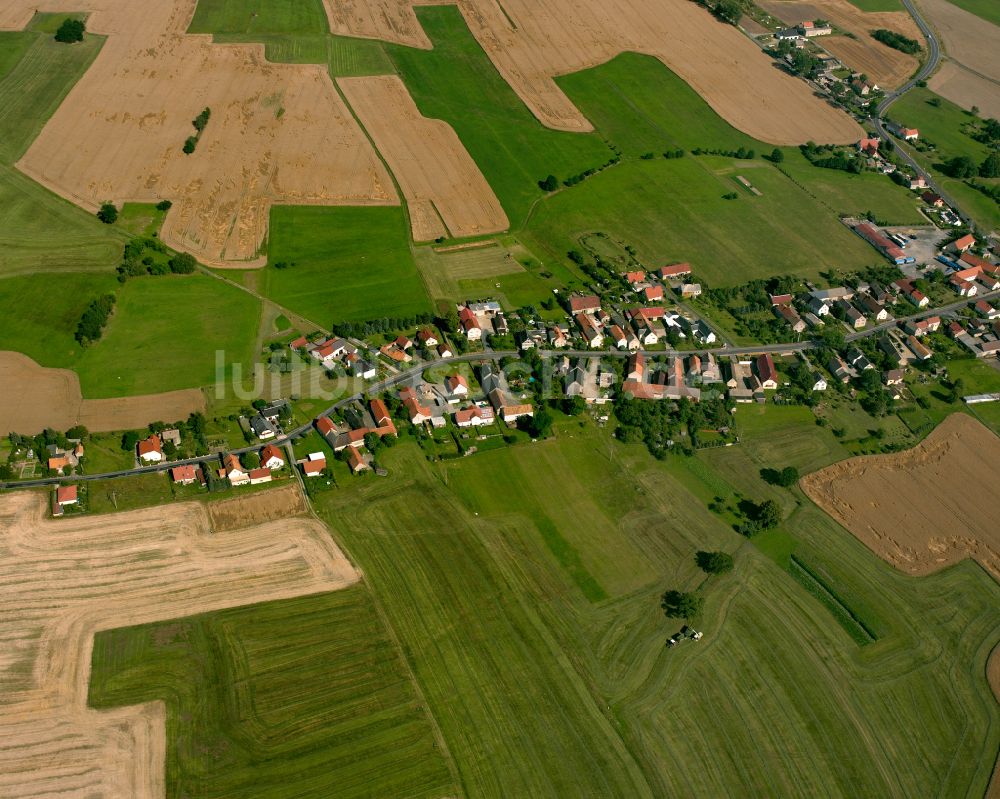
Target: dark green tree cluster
[714,562]
[107,213]
[660,424]
[829,156]
[785,478]
[200,122]
[139,258]
[758,517]
[70,31]
[681,604]
[743,153]
[897,41]
[383,325]
[90,328]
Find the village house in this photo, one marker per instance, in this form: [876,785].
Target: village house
[652,293]
[584,304]
[965,288]
[171,436]
[64,497]
[852,316]
[858,361]
[263,428]
[690,291]
[987,310]
[457,387]
[781,299]
[839,369]
[962,244]
[635,368]
[791,316]
[150,450]
[427,338]
[404,343]
[470,324]
[674,271]
[444,351]
[314,465]
[591,333]
[921,351]
[355,461]
[258,476]
[394,353]
[558,337]
[893,377]
[233,471]
[932,199]
[184,475]
[767,374]
[872,307]
[921,327]
[272,458]
[895,349]
[818,306]
[632,278]
[474,416]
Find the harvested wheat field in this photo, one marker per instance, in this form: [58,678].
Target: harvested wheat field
[923,509]
[35,397]
[971,74]
[993,675]
[62,581]
[436,174]
[532,41]
[267,506]
[884,65]
[278,133]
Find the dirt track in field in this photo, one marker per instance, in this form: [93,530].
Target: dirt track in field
[884,65]
[436,174]
[279,133]
[531,41]
[63,581]
[923,509]
[971,75]
[34,397]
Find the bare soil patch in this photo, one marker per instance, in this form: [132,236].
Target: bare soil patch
[993,675]
[884,65]
[428,159]
[923,509]
[63,581]
[260,508]
[279,133]
[35,397]
[971,75]
[532,41]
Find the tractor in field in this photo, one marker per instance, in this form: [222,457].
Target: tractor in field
[685,633]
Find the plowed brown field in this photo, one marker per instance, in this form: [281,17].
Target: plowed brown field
[34,397]
[532,41]
[923,509]
[62,581]
[279,133]
[436,174]
[884,65]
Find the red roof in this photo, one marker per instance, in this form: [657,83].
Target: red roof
[65,494]
[765,368]
[964,243]
[300,343]
[591,302]
[181,473]
[271,451]
[354,459]
[314,467]
[647,314]
[256,474]
[654,293]
[635,277]
[675,270]
[454,381]
[324,425]
[151,444]
[380,413]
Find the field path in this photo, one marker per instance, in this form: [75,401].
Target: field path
[63,581]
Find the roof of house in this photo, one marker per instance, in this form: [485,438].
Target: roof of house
[426,334]
[653,293]
[269,452]
[185,472]
[454,381]
[314,467]
[325,425]
[256,474]
[765,368]
[151,444]
[59,462]
[379,411]
[66,494]
[589,302]
[965,242]
[475,412]
[675,270]
[232,464]
[354,460]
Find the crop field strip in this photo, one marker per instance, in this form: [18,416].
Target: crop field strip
[304,697]
[847,710]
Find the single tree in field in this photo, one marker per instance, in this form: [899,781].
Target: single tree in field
[777,156]
[551,183]
[183,263]
[108,214]
[990,168]
[768,514]
[70,31]
[714,562]
[678,604]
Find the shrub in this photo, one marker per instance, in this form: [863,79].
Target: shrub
[189,144]
[714,562]
[677,604]
[70,31]
[164,205]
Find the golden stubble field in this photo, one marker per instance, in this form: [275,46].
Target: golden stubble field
[35,397]
[532,41]
[926,508]
[278,133]
[61,581]
[438,178]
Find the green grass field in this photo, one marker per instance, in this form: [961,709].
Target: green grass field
[987,9]
[38,230]
[942,125]
[306,697]
[252,16]
[164,335]
[544,686]
[878,5]
[674,211]
[349,264]
[457,83]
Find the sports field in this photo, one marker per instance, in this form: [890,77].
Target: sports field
[344,264]
[35,74]
[303,697]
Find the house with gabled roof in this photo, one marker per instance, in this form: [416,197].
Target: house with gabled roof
[767,373]
[272,458]
[184,475]
[233,471]
[150,450]
[584,303]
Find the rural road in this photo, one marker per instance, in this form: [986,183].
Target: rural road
[417,371]
[925,71]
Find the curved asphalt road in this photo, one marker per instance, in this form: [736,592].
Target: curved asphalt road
[931,64]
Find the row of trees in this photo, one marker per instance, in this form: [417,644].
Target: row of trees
[897,41]
[964,167]
[200,122]
[90,328]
